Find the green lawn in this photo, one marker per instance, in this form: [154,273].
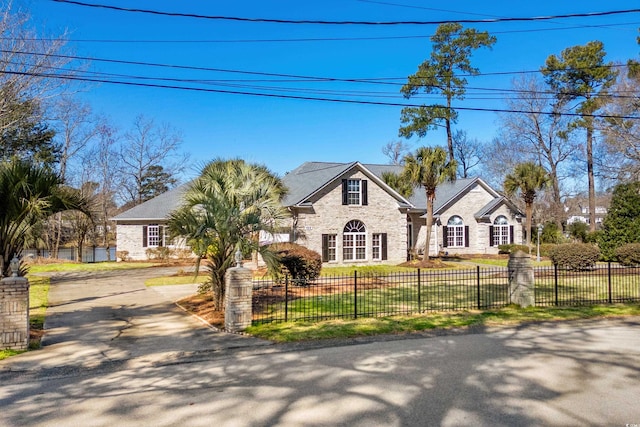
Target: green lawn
[176,280]
[349,328]
[78,266]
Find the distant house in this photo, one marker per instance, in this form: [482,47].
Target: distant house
[144,226]
[346,212]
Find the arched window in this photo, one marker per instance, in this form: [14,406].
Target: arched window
[501,231]
[354,241]
[455,232]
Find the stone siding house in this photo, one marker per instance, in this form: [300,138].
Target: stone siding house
[143,227]
[346,212]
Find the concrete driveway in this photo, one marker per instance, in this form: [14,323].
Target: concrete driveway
[101,317]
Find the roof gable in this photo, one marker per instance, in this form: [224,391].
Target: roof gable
[156,209]
[311,178]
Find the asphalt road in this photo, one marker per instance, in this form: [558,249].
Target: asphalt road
[184,374]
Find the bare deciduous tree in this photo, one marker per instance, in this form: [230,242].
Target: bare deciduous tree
[147,145]
[538,136]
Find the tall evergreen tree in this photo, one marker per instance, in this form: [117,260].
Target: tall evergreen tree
[452,47]
[622,223]
[581,73]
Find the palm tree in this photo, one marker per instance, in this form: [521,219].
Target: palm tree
[428,168]
[527,178]
[224,210]
[398,183]
[28,194]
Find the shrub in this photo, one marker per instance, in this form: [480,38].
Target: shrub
[507,249]
[550,233]
[123,255]
[578,231]
[546,248]
[160,252]
[575,256]
[628,254]
[301,263]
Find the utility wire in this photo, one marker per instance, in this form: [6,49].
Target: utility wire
[312,39]
[308,98]
[371,23]
[371,80]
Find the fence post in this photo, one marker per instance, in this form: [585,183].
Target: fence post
[555,282]
[355,294]
[14,312]
[609,281]
[478,283]
[419,293]
[239,288]
[286,298]
[521,280]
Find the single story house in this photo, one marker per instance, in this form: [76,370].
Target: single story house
[347,213]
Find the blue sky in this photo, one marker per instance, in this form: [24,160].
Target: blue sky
[283,133]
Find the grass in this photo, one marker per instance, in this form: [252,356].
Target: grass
[77,266]
[185,279]
[38,302]
[512,315]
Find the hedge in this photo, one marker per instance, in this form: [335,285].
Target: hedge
[575,256]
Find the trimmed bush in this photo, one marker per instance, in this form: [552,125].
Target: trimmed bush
[546,248]
[303,264]
[575,256]
[628,254]
[507,249]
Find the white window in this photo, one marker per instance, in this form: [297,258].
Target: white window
[153,236]
[331,247]
[353,191]
[354,241]
[376,246]
[501,231]
[455,232]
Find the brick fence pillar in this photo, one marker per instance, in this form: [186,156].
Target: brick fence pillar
[238,290]
[521,281]
[14,313]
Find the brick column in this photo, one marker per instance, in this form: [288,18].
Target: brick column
[521,280]
[14,313]
[237,311]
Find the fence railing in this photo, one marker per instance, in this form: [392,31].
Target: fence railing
[374,295]
[89,254]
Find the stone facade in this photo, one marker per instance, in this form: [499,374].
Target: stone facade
[14,313]
[382,214]
[238,291]
[130,238]
[465,206]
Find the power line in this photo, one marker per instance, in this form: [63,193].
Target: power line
[370,80]
[308,98]
[309,39]
[371,23]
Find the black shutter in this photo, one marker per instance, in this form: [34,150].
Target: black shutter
[445,237]
[466,236]
[511,236]
[491,235]
[384,246]
[365,198]
[345,199]
[161,235]
[144,236]
[325,248]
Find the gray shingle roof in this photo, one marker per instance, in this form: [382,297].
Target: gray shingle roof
[311,177]
[156,209]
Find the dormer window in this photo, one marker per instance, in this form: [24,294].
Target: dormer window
[354,192]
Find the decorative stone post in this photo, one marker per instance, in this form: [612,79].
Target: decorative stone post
[14,310]
[521,281]
[238,290]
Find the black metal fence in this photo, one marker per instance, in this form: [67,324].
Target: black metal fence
[374,295]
